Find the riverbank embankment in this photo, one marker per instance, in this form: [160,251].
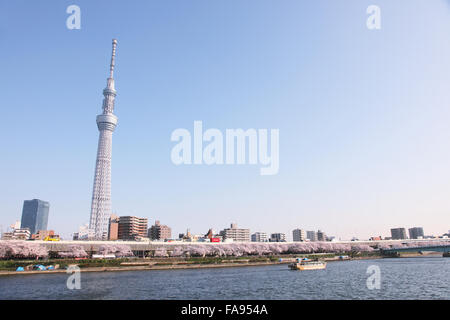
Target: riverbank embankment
[161,264]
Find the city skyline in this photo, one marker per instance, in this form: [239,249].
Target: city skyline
[363,150]
[300,234]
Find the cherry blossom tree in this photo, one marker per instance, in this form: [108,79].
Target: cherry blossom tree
[160,253]
[74,251]
[119,250]
[259,249]
[21,249]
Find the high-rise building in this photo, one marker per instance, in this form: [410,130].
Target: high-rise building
[235,234]
[35,215]
[321,236]
[299,235]
[101,194]
[416,233]
[259,237]
[398,233]
[131,228]
[159,231]
[311,235]
[113,230]
[277,237]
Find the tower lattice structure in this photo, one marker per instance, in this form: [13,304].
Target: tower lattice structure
[101,194]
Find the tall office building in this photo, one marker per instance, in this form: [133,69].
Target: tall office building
[416,233]
[398,233]
[299,235]
[101,194]
[35,215]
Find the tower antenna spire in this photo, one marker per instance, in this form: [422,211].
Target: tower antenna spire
[113,57]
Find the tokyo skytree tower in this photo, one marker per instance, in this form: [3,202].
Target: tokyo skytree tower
[101,194]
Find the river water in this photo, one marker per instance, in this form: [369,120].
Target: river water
[401,278]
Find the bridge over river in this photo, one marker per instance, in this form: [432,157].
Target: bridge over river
[437,248]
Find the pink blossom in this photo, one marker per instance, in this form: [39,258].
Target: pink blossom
[119,250]
[75,251]
[22,249]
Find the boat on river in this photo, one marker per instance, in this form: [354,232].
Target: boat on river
[303,264]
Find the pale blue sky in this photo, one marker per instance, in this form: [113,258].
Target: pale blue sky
[363,115]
